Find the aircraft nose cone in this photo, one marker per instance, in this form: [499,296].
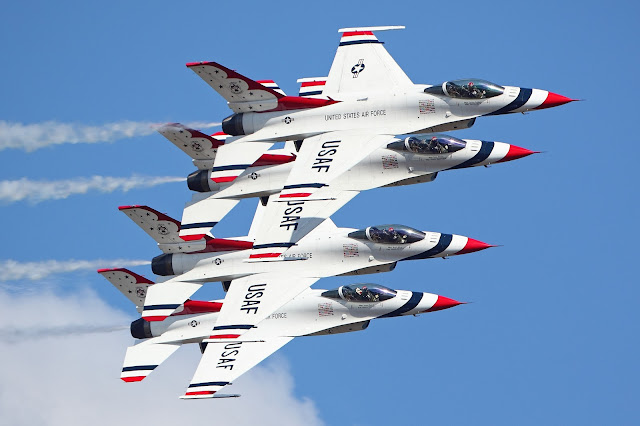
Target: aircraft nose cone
[443,303]
[516,152]
[474,245]
[553,100]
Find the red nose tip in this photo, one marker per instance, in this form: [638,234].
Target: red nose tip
[516,152]
[474,245]
[443,303]
[553,100]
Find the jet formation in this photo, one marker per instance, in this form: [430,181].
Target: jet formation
[364,126]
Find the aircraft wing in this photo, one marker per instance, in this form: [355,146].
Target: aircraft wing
[236,344]
[314,190]
[251,299]
[223,362]
[362,64]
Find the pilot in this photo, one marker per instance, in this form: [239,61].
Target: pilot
[432,145]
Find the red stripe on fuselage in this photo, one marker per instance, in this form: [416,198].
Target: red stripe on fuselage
[224,179]
[295,194]
[262,255]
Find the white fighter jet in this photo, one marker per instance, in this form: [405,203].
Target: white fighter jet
[314,312]
[397,161]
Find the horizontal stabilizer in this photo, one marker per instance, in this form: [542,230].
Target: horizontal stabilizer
[164,298]
[200,147]
[242,93]
[141,359]
[163,229]
[246,95]
[207,395]
[132,285]
[202,213]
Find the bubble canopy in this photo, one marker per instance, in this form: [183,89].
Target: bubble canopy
[361,293]
[429,144]
[388,234]
[470,88]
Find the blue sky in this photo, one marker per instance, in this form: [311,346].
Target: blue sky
[552,334]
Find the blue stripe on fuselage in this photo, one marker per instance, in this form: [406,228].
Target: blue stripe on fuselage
[416,297]
[483,154]
[443,243]
[520,100]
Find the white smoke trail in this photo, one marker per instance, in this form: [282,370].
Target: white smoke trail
[36,191]
[14,335]
[31,137]
[11,270]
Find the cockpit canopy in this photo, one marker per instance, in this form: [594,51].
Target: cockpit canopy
[429,145]
[388,234]
[361,293]
[472,88]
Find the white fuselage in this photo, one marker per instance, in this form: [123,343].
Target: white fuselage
[383,113]
[383,167]
[327,251]
[308,313]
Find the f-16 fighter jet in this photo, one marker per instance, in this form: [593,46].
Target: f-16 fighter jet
[314,312]
[396,161]
[258,284]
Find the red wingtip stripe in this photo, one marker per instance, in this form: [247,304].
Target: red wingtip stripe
[200,393]
[133,378]
[295,194]
[224,336]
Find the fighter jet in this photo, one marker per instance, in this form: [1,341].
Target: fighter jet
[326,251]
[397,161]
[314,312]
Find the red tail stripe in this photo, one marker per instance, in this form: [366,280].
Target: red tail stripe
[200,393]
[357,33]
